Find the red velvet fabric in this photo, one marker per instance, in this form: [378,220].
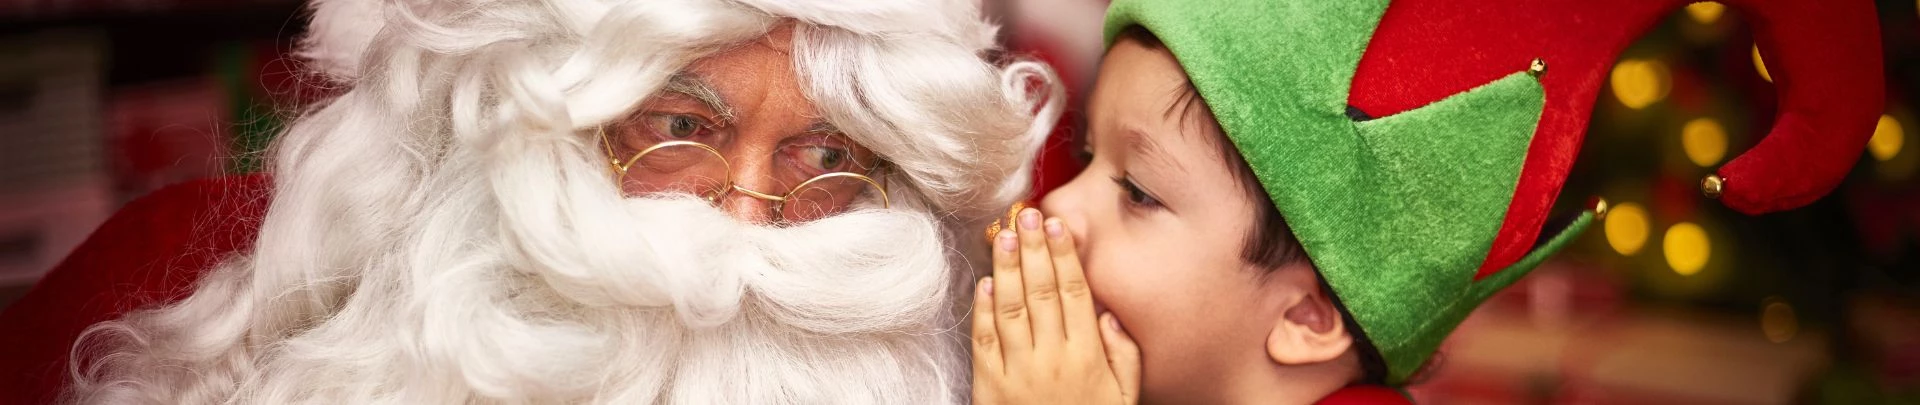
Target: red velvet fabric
[1426,50]
[1824,57]
[150,252]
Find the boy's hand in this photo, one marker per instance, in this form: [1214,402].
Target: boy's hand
[1037,341]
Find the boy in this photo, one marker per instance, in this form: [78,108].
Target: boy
[1264,238]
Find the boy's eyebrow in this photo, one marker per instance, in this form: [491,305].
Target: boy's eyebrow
[1146,147]
[694,86]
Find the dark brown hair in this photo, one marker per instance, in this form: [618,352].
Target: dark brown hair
[1270,245]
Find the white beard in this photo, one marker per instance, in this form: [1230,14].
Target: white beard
[698,309]
[848,309]
[446,231]
[703,309]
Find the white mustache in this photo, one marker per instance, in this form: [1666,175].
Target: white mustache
[862,271]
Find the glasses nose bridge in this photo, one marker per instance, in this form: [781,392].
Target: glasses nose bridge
[749,176]
[750,173]
[777,200]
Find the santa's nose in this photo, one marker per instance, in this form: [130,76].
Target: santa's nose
[746,207]
[753,195]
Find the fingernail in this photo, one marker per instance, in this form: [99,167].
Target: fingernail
[1113,322]
[1053,227]
[986,286]
[1029,219]
[1007,241]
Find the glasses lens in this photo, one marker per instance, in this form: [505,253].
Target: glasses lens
[825,196]
[678,168]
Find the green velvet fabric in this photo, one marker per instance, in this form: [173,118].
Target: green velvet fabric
[1398,212]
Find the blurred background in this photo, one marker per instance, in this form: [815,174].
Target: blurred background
[1671,299]
[102,101]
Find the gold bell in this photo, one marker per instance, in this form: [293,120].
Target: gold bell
[1012,213]
[1537,68]
[1600,208]
[1712,185]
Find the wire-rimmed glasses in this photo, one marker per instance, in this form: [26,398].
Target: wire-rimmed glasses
[664,165]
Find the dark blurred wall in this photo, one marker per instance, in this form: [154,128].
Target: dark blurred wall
[104,101]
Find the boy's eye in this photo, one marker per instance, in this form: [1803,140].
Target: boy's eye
[1135,195]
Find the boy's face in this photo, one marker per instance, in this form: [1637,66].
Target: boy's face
[1161,222]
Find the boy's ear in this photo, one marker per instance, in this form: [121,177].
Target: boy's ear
[1311,329]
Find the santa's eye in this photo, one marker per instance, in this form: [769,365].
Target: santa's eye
[824,159]
[676,127]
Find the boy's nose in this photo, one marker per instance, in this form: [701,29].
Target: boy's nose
[1063,203]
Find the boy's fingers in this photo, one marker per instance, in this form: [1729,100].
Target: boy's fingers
[1009,305]
[986,341]
[1043,291]
[1076,300]
[1123,357]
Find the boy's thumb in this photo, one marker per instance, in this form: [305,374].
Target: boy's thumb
[1123,357]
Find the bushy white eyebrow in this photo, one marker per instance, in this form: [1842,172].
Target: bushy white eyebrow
[696,87]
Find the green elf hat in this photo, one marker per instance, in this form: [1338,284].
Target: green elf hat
[1415,146]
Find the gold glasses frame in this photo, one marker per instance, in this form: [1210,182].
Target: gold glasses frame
[779,201]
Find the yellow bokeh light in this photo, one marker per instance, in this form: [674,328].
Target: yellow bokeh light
[1687,248]
[1704,141]
[1626,228]
[1640,83]
[1777,320]
[1760,65]
[1705,12]
[1887,139]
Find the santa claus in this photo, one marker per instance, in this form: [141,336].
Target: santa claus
[563,201]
